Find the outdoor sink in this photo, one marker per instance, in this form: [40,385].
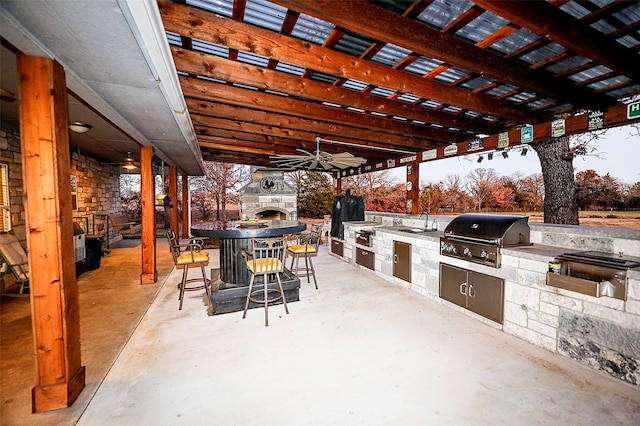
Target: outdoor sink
[416,230]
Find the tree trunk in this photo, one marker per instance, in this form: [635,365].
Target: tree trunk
[556,159]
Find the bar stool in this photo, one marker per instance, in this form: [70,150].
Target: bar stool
[186,256]
[266,259]
[307,247]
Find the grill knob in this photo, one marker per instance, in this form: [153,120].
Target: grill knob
[467,252]
[484,254]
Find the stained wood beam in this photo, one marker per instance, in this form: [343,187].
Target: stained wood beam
[302,135]
[365,18]
[207,27]
[55,314]
[562,28]
[149,274]
[261,78]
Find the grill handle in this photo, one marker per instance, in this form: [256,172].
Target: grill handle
[454,237]
[472,291]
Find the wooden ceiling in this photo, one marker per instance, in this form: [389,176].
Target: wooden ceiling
[385,79]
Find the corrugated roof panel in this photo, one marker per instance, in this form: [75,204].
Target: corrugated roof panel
[431,104]
[625,91]
[474,114]
[609,82]
[560,108]
[500,90]
[210,48]
[568,64]
[477,82]
[353,44]
[541,102]
[219,7]
[173,38]
[451,75]
[451,109]
[423,65]
[284,95]
[355,85]
[355,109]
[332,104]
[312,29]
[441,13]
[390,55]
[544,53]
[262,13]
[244,86]
[324,78]
[590,73]
[395,6]
[383,91]
[253,59]
[628,41]
[396,117]
[215,80]
[290,68]
[378,114]
[629,15]
[514,41]
[482,27]
[603,26]
[575,9]
[521,97]
[408,97]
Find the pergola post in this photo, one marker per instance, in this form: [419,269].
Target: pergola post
[337,184]
[413,188]
[173,194]
[55,318]
[186,208]
[149,273]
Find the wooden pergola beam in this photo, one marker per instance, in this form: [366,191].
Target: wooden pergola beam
[234,72]
[371,20]
[210,28]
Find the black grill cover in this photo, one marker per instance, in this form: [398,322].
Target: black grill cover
[498,229]
[346,208]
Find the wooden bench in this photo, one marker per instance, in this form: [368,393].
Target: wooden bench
[122,225]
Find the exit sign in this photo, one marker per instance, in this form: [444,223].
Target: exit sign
[633,110]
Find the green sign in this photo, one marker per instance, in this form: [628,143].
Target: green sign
[633,110]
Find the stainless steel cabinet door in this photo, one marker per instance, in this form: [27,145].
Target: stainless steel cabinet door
[485,295]
[453,285]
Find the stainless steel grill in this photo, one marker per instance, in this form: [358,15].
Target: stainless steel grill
[478,238]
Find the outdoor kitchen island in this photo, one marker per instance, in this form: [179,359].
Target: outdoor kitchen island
[599,330]
[230,290]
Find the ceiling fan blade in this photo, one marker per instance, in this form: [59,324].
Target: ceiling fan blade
[343,155]
[326,165]
[313,165]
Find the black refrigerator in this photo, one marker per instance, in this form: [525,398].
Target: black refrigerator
[346,208]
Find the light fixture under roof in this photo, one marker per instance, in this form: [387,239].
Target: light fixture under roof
[129,163]
[480,158]
[524,151]
[504,154]
[78,127]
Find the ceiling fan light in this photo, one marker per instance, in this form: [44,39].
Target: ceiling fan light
[79,127]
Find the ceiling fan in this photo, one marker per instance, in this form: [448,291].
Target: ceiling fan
[311,161]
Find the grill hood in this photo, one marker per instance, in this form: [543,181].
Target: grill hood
[500,230]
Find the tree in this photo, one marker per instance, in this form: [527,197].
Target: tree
[295,179]
[454,197]
[588,189]
[556,160]
[367,184]
[316,195]
[480,183]
[430,198]
[130,195]
[217,186]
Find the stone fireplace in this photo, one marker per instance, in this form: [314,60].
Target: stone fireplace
[268,196]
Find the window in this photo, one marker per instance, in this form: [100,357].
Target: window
[5,224]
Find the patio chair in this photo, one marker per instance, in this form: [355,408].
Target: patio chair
[186,256]
[266,259]
[306,247]
[14,256]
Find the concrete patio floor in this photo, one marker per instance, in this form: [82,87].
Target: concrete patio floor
[359,350]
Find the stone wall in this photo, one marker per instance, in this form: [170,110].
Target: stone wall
[98,188]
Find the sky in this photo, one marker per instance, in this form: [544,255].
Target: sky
[618,149]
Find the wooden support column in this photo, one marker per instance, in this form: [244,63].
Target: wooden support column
[186,208]
[148,202]
[413,188]
[173,193]
[337,184]
[55,318]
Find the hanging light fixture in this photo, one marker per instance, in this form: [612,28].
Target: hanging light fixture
[78,127]
[505,154]
[490,156]
[128,162]
[523,152]
[480,158]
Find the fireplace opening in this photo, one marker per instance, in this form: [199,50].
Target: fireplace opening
[271,215]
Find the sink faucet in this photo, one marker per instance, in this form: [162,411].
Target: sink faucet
[426,222]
